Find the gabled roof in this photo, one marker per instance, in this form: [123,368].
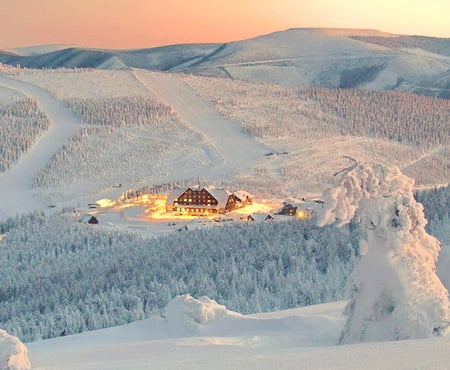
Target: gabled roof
[242,195]
[174,194]
[221,195]
[260,217]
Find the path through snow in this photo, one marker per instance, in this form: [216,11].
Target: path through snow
[15,184]
[233,149]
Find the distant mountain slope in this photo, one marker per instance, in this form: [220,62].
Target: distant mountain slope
[40,49]
[337,58]
[431,44]
[162,58]
[346,58]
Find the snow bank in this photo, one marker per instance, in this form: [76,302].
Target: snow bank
[190,313]
[396,293]
[13,353]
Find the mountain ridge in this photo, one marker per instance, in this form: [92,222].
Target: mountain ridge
[322,57]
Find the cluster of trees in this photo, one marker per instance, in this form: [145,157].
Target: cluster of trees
[119,111]
[436,204]
[272,111]
[406,118]
[102,156]
[160,188]
[131,138]
[68,83]
[21,123]
[263,110]
[83,277]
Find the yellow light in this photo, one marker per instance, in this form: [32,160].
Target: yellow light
[105,203]
[155,208]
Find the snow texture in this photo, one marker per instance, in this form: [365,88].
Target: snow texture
[301,338]
[13,353]
[190,313]
[396,293]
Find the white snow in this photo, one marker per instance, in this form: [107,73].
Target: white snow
[396,293]
[200,334]
[13,353]
[15,184]
[41,49]
[231,148]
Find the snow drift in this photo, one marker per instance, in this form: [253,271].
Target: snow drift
[189,313]
[13,353]
[395,292]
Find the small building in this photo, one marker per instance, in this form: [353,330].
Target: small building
[93,220]
[260,217]
[197,200]
[288,209]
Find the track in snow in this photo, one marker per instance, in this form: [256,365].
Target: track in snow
[15,184]
[232,148]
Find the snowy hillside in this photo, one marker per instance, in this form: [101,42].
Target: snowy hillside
[302,57]
[40,49]
[104,137]
[227,139]
[162,58]
[329,58]
[200,334]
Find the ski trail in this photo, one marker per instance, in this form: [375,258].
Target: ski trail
[425,155]
[236,149]
[16,192]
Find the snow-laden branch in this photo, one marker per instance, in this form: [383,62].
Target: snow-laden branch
[396,293]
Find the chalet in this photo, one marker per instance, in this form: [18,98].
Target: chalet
[199,200]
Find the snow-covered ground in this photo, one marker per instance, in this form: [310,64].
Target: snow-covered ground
[199,334]
[15,184]
[231,148]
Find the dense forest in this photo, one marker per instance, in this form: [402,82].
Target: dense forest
[84,277]
[21,124]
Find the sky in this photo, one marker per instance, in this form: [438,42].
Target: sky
[128,24]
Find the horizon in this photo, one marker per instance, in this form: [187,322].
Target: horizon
[120,24]
[67,46]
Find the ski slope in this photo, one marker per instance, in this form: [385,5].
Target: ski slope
[231,148]
[199,334]
[15,184]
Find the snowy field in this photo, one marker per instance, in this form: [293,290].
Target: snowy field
[199,334]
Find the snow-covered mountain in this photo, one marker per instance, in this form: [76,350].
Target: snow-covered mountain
[104,132]
[40,49]
[348,58]
[161,58]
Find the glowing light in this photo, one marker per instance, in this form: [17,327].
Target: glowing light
[301,214]
[155,205]
[102,203]
[257,207]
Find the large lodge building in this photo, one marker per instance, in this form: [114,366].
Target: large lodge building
[198,200]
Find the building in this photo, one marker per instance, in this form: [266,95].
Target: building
[199,200]
[260,217]
[93,221]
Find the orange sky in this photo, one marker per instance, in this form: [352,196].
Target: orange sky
[146,23]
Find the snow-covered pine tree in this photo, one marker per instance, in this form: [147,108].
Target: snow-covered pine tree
[396,293]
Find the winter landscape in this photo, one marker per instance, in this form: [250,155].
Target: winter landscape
[281,201]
